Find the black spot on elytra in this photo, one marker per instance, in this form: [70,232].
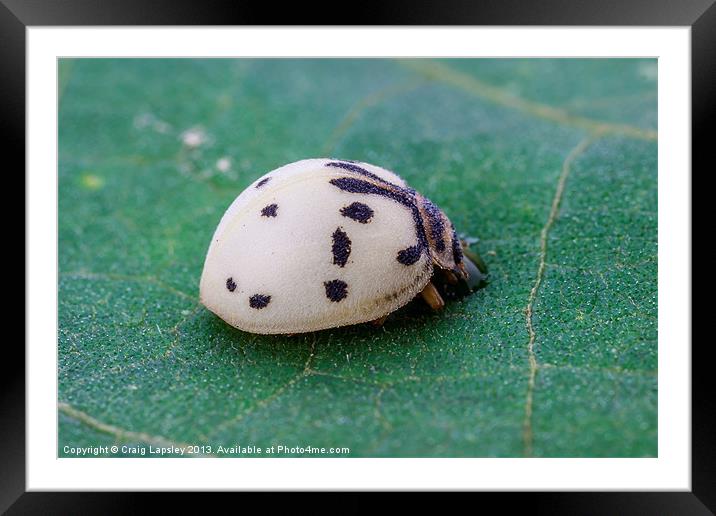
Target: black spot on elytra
[341,247]
[409,255]
[336,290]
[259,301]
[231,284]
[358,211]
[263,182]
[269,211]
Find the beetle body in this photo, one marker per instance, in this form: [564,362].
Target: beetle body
[322,243]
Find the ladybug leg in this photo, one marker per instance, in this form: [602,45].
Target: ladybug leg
[432,297]
[451,277]
[379,321]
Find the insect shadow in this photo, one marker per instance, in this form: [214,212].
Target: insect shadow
[404,330]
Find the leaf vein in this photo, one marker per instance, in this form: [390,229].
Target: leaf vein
[470,84]
[527,434]
[118,433]
[367,102]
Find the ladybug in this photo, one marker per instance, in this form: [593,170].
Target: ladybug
[322,243]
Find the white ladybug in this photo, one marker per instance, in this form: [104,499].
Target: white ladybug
[322,243]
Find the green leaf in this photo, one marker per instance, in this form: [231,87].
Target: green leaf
[551,163]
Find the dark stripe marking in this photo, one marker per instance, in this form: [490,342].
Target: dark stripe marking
[347,165]
[341,248]
[358,170]
[358,211]
[456,248]
[400,195]
[437,227]
[336,290]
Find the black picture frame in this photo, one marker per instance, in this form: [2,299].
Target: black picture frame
[700,15]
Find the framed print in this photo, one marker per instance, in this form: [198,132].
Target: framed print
[360,257]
